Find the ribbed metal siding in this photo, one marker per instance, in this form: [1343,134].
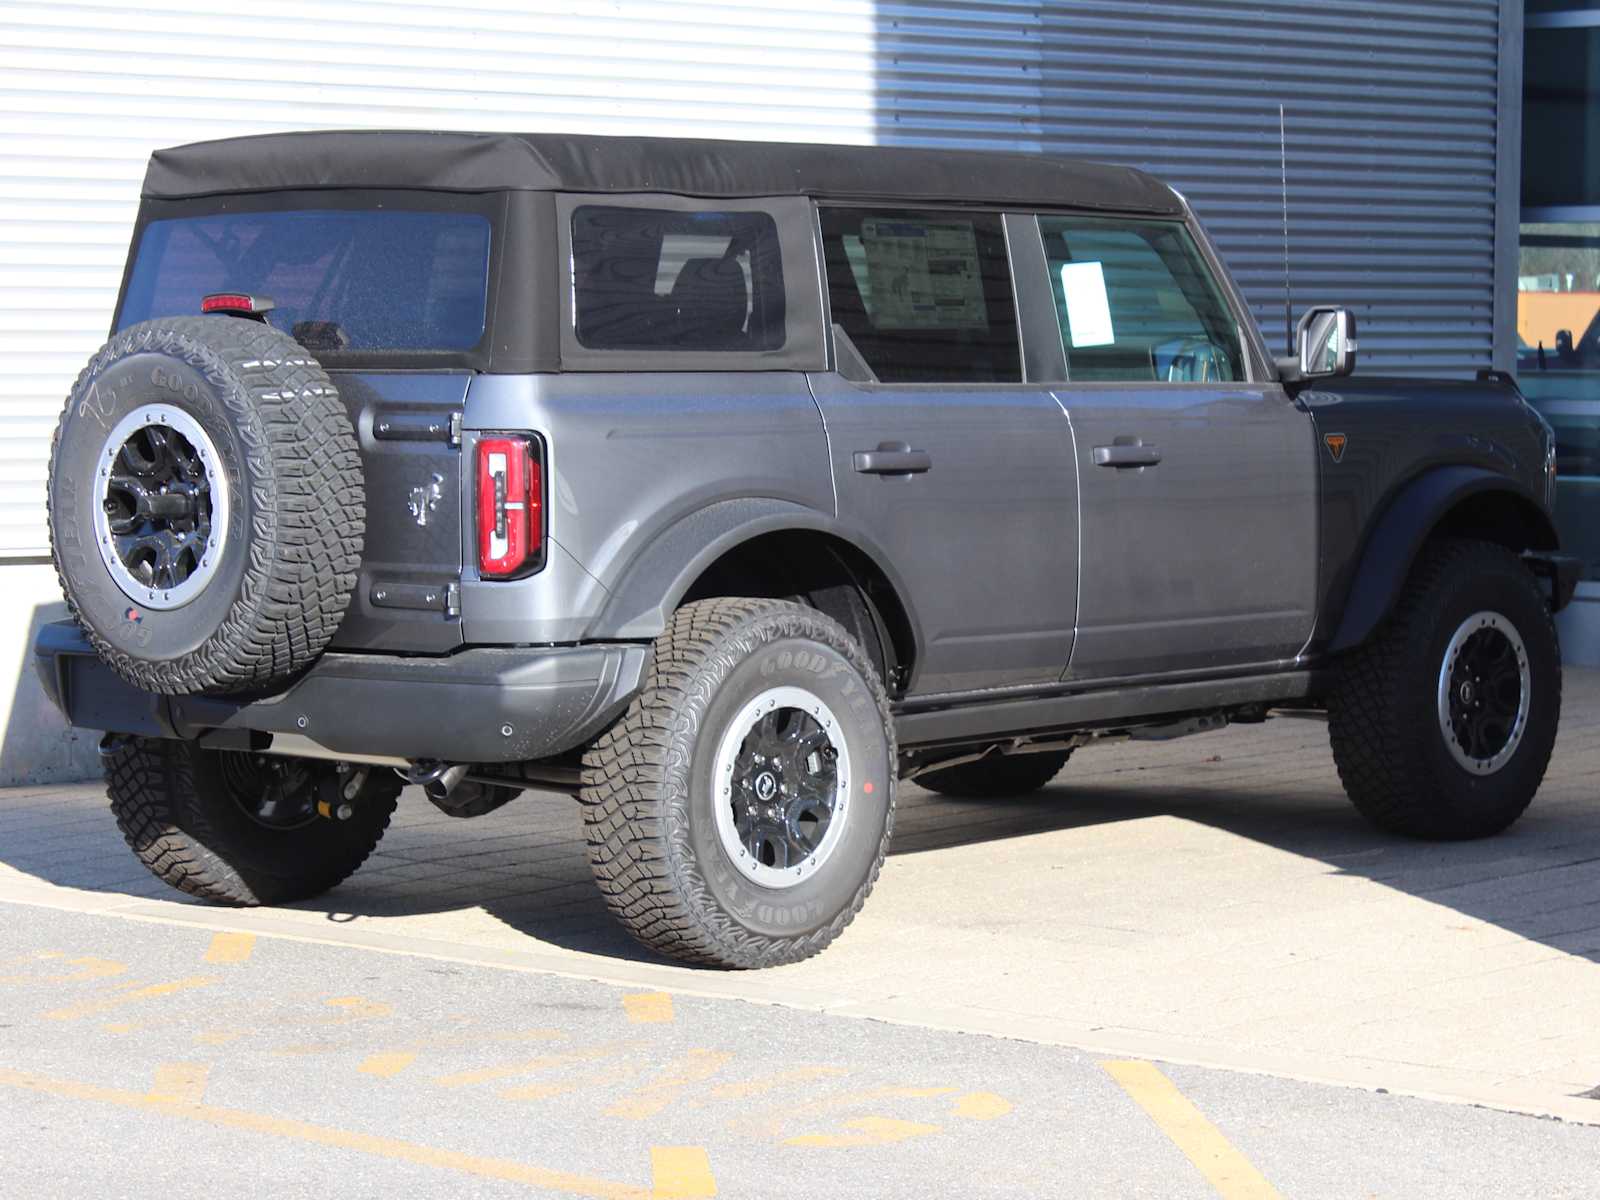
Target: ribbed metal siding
[1391,129]
[91,88]
[1391,116]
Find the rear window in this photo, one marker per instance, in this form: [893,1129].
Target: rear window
[379,280]
[651,279]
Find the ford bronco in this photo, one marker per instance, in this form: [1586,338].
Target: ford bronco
[724,485]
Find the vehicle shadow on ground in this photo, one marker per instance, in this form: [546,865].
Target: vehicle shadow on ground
[1275,785]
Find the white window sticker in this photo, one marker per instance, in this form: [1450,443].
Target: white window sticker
[1088,310]
[925,274]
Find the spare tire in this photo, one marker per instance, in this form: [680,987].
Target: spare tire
[206,505]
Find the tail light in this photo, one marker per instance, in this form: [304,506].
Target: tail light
[510,524]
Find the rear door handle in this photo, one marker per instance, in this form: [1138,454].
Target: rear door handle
[893,458]
[1126,456]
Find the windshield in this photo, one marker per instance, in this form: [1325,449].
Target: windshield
[340,279]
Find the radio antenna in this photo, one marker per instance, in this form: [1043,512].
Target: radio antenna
[1288,299]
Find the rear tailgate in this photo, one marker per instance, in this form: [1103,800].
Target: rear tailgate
[409,427]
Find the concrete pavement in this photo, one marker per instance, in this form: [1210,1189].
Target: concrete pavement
[1210,901]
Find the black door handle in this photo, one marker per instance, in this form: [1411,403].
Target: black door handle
[893,458]
[1126,456]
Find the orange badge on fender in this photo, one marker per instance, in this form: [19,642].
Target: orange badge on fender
[1335,442]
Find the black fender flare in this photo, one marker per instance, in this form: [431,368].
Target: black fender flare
[1401,528]
[654,584]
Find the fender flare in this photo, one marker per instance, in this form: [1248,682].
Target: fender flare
[1399,531]
[656,581]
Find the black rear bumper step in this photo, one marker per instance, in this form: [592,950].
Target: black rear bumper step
[488,704]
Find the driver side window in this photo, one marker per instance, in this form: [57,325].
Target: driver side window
[1137,303]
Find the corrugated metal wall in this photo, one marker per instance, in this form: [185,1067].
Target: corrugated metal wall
[1391,129]
[1391,135]
[91,88]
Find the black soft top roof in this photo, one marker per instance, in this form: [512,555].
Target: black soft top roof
[558,162]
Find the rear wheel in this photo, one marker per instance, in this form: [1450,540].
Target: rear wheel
[739,812]
[1443,723]
[997,775]
[246,828]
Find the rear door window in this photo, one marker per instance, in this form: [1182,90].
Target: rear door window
[1138,304]
[340,279]
[654,279]
[925,296]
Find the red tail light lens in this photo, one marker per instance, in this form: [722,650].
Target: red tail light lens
[509,521]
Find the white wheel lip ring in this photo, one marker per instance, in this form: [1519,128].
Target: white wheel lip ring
[1478,621]
[174,418]
[778,878]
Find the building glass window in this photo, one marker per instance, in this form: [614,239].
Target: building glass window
[1558,367]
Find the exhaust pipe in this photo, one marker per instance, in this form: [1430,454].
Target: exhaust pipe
[437,779]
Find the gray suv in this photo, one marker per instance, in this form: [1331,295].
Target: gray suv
[725,485]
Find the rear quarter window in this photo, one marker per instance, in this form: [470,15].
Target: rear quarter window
[340,279]
[654,279]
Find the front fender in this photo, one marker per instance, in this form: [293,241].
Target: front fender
[1399,531]
[655,583]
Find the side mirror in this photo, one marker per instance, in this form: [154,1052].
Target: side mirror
[1325,345]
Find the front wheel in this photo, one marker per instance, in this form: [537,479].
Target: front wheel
[1443,723]
[739,812]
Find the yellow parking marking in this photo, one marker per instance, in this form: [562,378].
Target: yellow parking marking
[680,1173]
[655,1097]
[231,948]
[756,1087]
[356,1008]
[324,1135]
[88,969]
[526,1067]
[981,1106]
[1202,1143]
[648,1008]
[386,1065]
[91,1008]
[180,1083]
[866,1131]
[771,1122]
[544,1091]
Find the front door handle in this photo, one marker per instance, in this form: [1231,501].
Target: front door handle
[893,458]
[1126,456]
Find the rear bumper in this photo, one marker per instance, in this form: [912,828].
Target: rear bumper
[488,704]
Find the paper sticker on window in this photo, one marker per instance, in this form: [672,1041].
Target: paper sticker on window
[925,274]
[1088,311]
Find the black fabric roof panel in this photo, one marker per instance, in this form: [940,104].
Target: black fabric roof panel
[492,162]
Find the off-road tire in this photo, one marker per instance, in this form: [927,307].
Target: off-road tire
[172,804]
[291,550]
[648,795]
[1383,723]
[996,775]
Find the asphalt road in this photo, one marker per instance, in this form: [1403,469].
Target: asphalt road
[142,1058]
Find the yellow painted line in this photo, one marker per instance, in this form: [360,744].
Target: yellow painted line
[386,1065]
[767,1083]
[648,1008]
[865,1131]
[981,1106]
[680,1173]
[1202,1143]
[90,1008]
[657,1096]
[231,948]
[525,1067]
[180,1083]
[393,1149]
